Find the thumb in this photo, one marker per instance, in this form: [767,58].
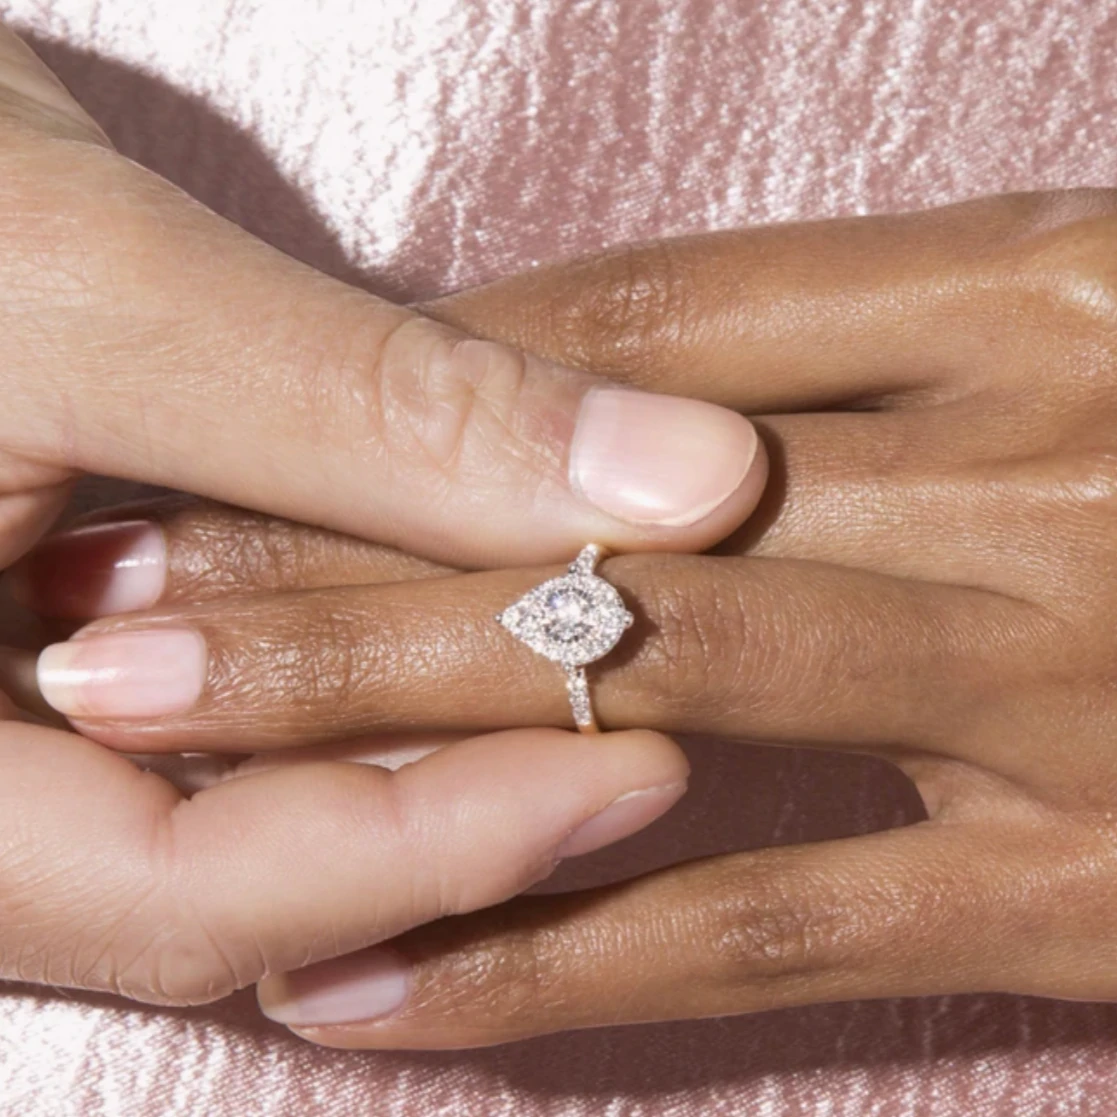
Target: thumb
[166,345]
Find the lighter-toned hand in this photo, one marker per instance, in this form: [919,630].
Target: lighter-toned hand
[146,338]
[932,581]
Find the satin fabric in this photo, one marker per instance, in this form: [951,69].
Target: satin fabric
[416,147]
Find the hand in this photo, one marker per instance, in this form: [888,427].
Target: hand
[932,581]
[146,338]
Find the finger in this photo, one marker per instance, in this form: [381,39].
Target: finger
[206,361]
[387,750]
[911,494]
[771,650]
[179,901]
[194,772]
[794,316]
[36,98]
[177,550]
[923,911]
[19,685]
[849,489]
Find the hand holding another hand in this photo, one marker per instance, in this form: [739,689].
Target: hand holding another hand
[148,339]
[930,579]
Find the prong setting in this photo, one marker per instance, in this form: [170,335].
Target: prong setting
[572,620]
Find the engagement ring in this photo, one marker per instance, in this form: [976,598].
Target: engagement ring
[573,620]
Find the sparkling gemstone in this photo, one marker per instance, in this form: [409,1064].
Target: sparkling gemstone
[573,620]
[568,615]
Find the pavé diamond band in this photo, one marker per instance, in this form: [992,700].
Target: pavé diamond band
[573,620]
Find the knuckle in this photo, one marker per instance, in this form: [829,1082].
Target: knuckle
[448,401]
[176,952]
[733,642]
[773,933]
[773,927]
[514,975]
[54,927]
[1081,482]
[179,962]
[164,949]
[776,926]
[746,641]
[1067,491]
[140,948]
[129,929]
[1060,258]
[622,311]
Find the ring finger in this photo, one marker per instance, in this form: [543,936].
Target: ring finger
[768,649]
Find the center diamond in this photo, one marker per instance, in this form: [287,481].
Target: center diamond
[568,616]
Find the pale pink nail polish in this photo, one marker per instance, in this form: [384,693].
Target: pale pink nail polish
[93,571]
[655,459]
[126,675]
[622,817]
[365,986]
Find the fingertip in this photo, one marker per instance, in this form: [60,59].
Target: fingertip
[645,750]
[604,765]
[559,794]
[92,571]
[624,816]
[364,987]
[755,479]
[661,463]
[124,674]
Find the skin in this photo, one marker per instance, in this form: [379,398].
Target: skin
[930,580]
[145,338]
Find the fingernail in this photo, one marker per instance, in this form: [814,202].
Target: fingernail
[654,459]
[622,817]
[124,674]
[93,571]
[360,987]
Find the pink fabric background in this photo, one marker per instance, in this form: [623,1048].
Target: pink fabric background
[415,147]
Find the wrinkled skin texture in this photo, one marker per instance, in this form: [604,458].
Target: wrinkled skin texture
[930,580]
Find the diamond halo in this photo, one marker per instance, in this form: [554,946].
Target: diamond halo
[573,620]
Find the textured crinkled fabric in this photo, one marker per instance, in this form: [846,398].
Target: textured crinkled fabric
[416,147]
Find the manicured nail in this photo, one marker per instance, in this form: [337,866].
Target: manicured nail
[93,571]
[360,987]
[125,675]
[622,817]
[654,459]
